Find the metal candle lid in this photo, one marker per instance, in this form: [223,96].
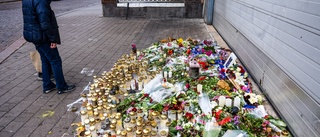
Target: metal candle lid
[83,112]
[139,132]
[163,133]
[129,129]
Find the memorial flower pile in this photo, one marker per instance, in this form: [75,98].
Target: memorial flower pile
[176,88]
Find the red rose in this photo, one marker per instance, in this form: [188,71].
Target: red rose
[189,116]
[134,109]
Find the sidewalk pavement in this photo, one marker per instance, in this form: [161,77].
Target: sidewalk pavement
[88,41]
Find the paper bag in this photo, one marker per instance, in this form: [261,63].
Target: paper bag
[36,60]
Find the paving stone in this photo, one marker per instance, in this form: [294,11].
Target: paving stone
[24,117]
[6,134]
[13,126]
[7,107]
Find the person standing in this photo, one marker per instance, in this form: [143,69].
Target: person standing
[41,28]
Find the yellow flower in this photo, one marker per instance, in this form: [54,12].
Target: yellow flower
[180,40]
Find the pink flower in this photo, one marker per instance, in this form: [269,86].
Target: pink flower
[179,128]
[133,46]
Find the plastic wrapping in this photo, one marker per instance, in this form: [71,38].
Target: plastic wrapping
[211,129]
[235,133]
[87,71]
[204,103]
[156,90]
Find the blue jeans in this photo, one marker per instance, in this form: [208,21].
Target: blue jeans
[51,58]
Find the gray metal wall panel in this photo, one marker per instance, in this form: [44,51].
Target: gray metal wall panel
[274,47]
[281,51]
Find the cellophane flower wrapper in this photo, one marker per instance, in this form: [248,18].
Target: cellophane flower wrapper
[153,85]
[211,130]
[204,103]
[160,95]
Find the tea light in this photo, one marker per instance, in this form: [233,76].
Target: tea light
[163,121]
[139,125]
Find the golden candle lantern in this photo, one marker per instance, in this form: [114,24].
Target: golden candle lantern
[139,133]
[130,132]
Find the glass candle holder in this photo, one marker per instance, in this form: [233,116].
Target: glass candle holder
[124,134]
[133,124]
[126,123]
[93,131]
[163,122]
[154,126]
[139,113]
[139,125]
[139,133]
[118,133]
[89,111]
[84,97]
[146,132]
[87,133]
[132,115]
[163,133]
[130,132]
[172,115]
[113,109]
[119,123]
[96,115]
[103,122]
[108,111]
[153,133]
[179,114]
[113,130]
[87,124]
[98,124]
[84,116]
[148,125]
[187,107]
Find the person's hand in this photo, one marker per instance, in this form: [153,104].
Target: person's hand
[53,45]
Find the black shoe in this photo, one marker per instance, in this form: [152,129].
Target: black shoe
[49,90]
[69,88]
[39,76]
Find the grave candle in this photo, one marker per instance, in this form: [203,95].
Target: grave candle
[228,102]
[222,101]
[236,102]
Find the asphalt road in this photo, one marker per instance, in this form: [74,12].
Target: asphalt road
[11,21]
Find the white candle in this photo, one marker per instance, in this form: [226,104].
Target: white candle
[84,116]
[165,74]
[170,74]
[236,102]
[228,102]
[140,85]
[93,131]
[199,88]
[222,101]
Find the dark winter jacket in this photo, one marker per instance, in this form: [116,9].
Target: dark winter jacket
[39,22]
